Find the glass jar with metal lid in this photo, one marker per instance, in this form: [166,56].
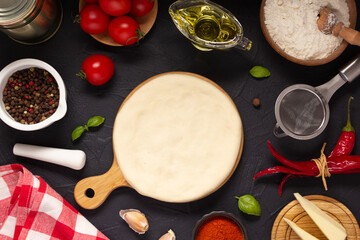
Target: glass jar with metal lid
[30,21]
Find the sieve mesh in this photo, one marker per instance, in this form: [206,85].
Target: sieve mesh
[302,112]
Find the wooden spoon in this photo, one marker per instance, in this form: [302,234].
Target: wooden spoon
[328,23]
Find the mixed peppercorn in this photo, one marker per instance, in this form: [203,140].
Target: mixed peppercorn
[31,95]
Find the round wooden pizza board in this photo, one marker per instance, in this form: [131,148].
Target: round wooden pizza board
[101,186]
[294,212]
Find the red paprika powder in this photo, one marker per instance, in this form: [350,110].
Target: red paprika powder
[219,228]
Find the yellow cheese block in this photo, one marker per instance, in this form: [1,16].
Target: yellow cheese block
[299,231]
[330,228]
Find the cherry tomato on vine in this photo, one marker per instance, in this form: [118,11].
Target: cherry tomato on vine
[97,69]
[140,8]
[93,19]
[115,7]
[124,30]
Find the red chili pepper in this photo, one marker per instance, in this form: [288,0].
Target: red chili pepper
[282,169]
[301,166]
[336,165]
[346,140]
[289,176]
[284,180]
[344,164]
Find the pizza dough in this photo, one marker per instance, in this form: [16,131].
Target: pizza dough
[177,138]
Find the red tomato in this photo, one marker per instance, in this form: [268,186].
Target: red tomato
[140,8]
[93,19]
[90,1]
[115,7]
[124,30]
[97,69]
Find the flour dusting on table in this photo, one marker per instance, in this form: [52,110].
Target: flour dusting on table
[292,25]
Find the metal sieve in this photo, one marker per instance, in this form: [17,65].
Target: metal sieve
[302,111]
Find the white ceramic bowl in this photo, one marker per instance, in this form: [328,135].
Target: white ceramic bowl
[5,74]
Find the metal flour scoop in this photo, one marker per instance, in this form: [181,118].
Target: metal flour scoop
[302,111]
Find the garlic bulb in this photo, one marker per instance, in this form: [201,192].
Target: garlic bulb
[170,235]
[136,220]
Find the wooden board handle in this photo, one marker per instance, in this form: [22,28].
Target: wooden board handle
[91,192]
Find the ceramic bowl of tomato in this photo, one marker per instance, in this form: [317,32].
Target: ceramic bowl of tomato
[110,19]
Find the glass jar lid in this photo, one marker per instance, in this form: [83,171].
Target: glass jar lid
[12,11]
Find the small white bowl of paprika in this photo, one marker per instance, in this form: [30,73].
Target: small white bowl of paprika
[18,95]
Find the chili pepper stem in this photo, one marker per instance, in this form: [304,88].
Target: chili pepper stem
[348,127]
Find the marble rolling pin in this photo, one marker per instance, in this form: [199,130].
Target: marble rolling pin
[74,159]
[328,23]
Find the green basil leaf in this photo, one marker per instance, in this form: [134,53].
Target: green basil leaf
[249,205]
[78,131]
[259,72]
[95,121]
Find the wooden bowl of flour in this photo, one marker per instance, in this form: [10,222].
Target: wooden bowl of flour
[315,62]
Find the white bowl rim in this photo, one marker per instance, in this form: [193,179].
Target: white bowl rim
[25,63]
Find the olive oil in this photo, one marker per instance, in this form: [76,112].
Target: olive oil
[208,23]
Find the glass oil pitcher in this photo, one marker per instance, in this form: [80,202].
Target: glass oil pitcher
[208,25]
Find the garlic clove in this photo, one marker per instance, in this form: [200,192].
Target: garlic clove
[136,220]
[170,235]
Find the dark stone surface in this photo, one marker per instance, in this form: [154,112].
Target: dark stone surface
[164,49]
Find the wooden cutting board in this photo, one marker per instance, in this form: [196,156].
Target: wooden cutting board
[91,192]
[294,212]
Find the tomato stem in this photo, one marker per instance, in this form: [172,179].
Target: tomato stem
[81,74]
[76,18]
[139,34]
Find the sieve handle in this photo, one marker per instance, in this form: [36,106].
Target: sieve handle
[351,70]
[277,133]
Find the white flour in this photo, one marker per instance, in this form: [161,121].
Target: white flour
[292,25]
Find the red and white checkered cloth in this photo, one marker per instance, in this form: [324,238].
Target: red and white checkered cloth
[31,210]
